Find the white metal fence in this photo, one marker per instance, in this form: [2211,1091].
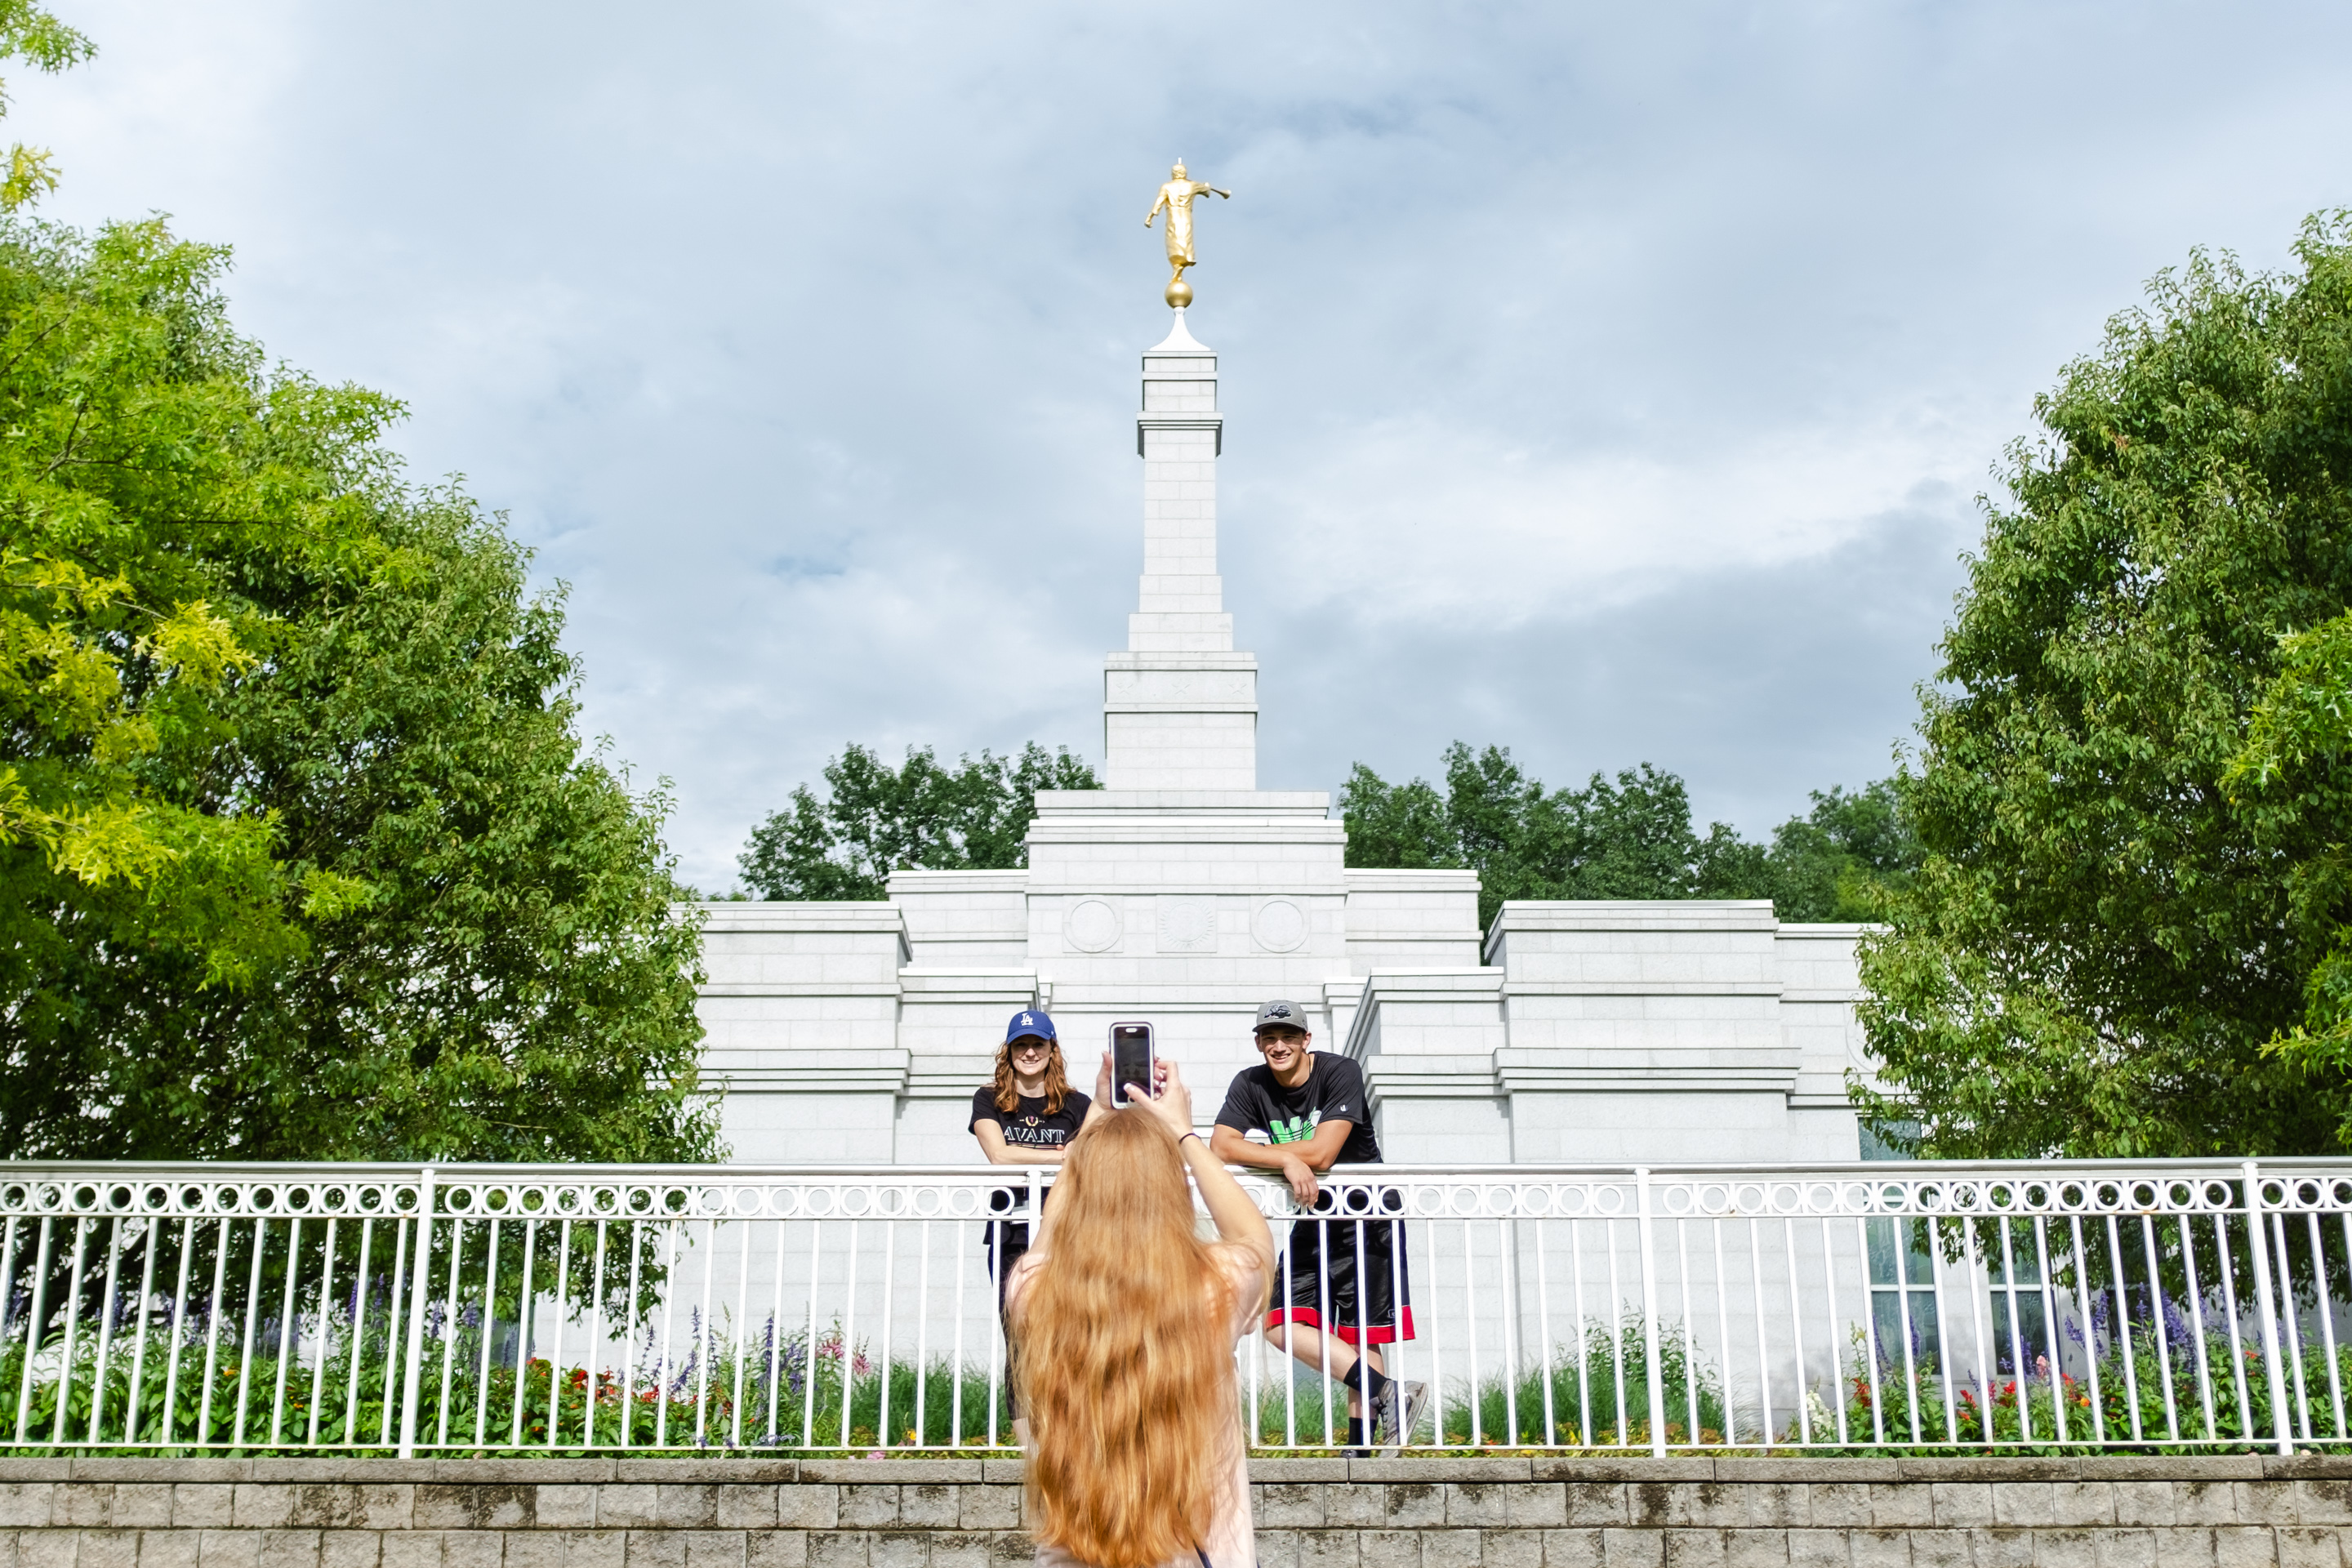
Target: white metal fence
[1859,1307]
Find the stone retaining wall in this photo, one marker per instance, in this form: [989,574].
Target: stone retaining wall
[2246,1512]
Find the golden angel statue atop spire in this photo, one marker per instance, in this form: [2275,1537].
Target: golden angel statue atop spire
[1176,198]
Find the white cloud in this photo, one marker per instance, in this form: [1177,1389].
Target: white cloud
[1603,381]
[1417,520]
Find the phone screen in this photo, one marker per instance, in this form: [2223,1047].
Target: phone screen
[1130,1061]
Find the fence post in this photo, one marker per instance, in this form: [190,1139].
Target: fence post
[2258,1232]
[412,1374]
[1650,1357]
[1037,1213]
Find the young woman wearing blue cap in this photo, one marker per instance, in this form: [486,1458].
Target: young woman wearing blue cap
[1027,1115]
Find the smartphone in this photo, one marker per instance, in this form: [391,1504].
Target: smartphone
[1130,1062]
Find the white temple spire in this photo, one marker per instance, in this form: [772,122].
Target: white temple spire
[1180,707]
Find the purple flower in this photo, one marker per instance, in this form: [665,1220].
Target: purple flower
[2176,1328]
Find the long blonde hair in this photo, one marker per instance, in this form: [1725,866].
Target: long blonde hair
[1126,1355]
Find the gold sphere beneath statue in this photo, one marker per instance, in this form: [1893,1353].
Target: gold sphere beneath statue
[1180,293]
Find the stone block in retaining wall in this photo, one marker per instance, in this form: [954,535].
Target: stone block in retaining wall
[2237,1513]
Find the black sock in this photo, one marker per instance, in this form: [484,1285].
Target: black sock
[1355,1374]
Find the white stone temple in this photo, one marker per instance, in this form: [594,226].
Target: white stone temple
[1569,1033]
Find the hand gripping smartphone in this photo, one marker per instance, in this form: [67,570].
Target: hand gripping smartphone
[1130,1062]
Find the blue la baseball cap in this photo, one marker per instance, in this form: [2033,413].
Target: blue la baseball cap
[1030,1024]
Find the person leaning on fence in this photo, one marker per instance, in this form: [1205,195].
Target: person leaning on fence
[1026,1115]
[1126,1322]
[1343,1285]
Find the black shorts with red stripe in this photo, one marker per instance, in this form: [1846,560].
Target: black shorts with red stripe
[1345,1270]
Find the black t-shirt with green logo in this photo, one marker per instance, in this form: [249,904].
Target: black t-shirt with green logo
[1334,1091]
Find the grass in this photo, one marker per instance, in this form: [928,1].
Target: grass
[767,1394]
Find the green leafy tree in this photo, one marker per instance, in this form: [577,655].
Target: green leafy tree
[1403,826]
[874,819]
[1630,837]
[303,857]
[2293,784]
[1839,861]
[1627,838]
[30,34]
[137,434]
[2100,941]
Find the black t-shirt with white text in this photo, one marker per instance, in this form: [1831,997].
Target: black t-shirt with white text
[1028,1125]
[1334,1091]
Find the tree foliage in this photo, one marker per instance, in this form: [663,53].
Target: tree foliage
[1630,837]
[1840,860]
[874,819]
[35,36]
[303,856]
[2292,784]
[2101,939]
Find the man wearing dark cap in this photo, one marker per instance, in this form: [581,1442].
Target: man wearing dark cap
[1341,1289]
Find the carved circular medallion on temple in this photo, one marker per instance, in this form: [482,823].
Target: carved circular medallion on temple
[1279,925]
[1093,926]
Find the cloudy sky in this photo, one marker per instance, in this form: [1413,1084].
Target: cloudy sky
[1611,382]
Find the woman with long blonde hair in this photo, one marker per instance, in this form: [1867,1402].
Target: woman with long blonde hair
[1126,1321]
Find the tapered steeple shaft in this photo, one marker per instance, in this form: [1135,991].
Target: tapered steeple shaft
[1180,706]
